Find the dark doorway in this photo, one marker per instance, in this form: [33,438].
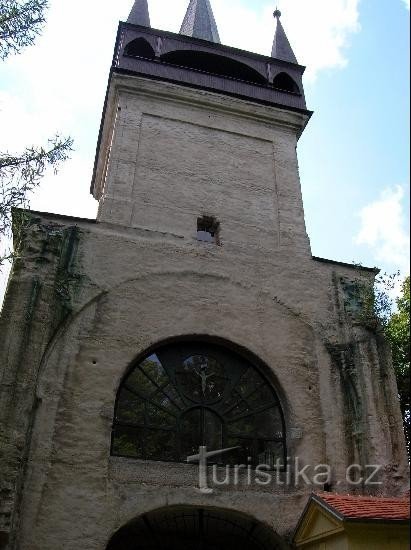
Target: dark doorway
[189,528]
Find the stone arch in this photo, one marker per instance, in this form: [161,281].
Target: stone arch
[73,419]
[55,374]
[52,372]
[193,528]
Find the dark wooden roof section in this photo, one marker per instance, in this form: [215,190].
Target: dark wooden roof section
[203,64]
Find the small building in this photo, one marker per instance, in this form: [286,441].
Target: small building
[347,522]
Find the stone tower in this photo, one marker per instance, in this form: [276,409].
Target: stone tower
[191,314]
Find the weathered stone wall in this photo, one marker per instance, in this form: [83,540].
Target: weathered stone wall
[177,153]
[86,299]
[142,288]
[41,294]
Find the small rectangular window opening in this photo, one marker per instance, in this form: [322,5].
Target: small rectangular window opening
[208,229]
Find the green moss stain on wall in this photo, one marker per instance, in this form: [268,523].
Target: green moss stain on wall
[68,280]
[344,359]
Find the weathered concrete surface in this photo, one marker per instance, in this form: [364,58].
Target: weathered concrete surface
[86,299]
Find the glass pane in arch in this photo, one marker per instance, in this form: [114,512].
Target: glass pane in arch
[189,394]
[189,437]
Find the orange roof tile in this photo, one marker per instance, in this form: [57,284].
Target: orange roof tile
[366,507]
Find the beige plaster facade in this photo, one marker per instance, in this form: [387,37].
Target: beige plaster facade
[86,298]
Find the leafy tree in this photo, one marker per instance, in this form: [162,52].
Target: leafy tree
[20,23]
[397,330]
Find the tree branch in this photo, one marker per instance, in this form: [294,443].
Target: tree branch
[19,175]
[20,23]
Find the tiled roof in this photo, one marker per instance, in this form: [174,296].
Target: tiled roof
[371,508]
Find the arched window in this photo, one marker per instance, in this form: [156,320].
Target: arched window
[284,82]
[190,394]
[214,64]
[139,48]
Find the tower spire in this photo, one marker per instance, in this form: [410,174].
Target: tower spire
[281,46]
[199,21]
[139,14]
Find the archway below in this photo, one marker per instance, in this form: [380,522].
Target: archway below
[194,528]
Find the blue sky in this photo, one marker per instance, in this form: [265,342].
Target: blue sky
[356,149]
[354,160]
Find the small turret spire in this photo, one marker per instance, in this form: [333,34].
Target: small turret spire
[281,46]
[139,14]
[199,21]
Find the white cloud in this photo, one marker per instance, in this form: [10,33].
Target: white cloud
[71,182]
[319,31]
[407,3]
[384,229]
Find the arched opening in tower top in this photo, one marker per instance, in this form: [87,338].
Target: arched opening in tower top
[139,47]
[194,528]
[214,64]
[284,82]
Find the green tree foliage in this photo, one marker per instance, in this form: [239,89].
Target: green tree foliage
[397,330]
[20,174]
[20,24]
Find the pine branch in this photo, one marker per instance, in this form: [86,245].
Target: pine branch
[21,21]
[19,175]
[20,24]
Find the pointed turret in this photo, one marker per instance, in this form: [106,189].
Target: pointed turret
[199,21]
[139,14]
[281,46]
